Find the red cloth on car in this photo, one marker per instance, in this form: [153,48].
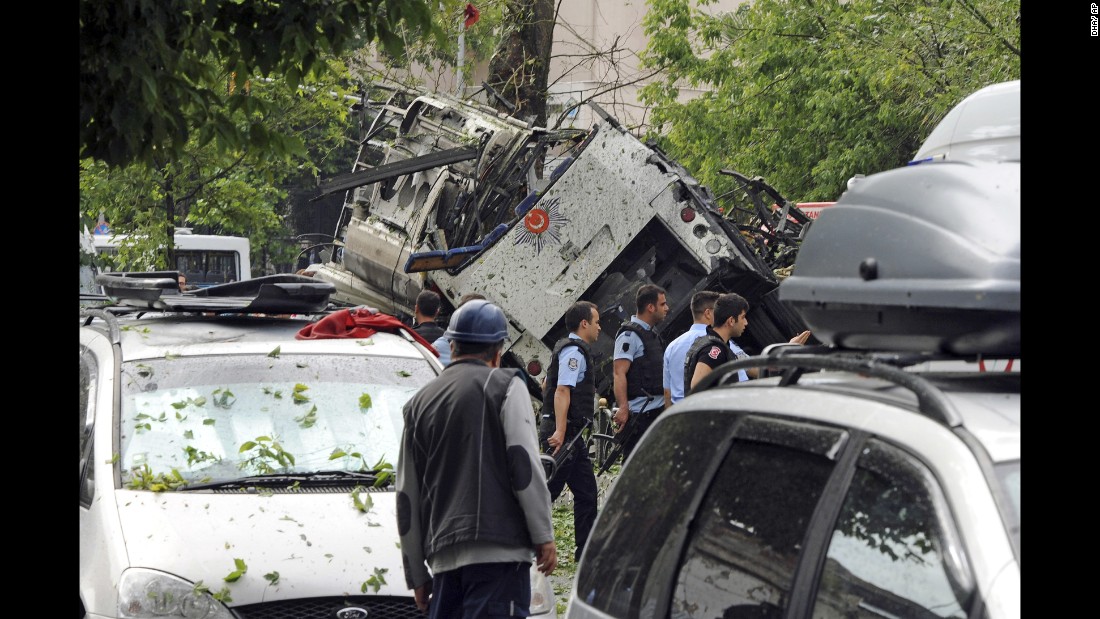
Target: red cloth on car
[358,322]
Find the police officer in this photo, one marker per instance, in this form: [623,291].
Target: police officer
[472,501]
[712,349]
[568,401]
[637,366]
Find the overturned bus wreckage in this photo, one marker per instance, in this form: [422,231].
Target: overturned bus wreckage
[452,196]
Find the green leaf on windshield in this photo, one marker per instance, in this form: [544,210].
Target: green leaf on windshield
[207,422]
[297,395]
[307,420]
[364,401]
[179,405]
[247,445]
[222,398]
[403,374]
[188,434]
[337,453]
[272,577]
[275,353]
[199,401]
[222,596]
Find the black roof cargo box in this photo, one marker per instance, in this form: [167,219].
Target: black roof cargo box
[922,258]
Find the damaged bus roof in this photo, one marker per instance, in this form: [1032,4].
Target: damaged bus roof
[451,195]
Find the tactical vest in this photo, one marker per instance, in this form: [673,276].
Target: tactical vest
[645,376]
[703,341]
[582,398]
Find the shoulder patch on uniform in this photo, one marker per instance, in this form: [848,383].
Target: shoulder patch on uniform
[626,346]
[714,352]
[574,363]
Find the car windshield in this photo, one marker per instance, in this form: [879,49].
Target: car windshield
[206,419]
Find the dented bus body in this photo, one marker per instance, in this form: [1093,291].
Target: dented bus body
[451,195]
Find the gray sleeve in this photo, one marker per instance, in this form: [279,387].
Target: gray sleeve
[529,480]
[407,486]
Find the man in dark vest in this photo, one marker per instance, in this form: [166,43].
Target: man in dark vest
[472,502]
[568,402]
[638,366]
[712,349]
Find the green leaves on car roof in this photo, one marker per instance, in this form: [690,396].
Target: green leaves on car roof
[275,353]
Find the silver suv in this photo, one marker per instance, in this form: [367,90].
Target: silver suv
[860,481]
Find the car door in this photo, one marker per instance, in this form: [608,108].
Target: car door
[707,518]
[101,546]
[749,537]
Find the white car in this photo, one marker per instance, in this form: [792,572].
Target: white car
[229,470]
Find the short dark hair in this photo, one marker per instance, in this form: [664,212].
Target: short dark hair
[647,294]
[480,350]
[427,302]
[728,306]
[471,296]
[702,301]
[581,310]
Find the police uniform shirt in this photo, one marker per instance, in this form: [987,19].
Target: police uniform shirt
[714,356]
[629,346]
[571,365]
[742,375]
[443,347]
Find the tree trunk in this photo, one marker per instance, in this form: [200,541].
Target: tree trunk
[520,67]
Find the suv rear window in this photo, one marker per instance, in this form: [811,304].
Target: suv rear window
[615,569]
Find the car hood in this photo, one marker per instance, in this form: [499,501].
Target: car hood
[319,543]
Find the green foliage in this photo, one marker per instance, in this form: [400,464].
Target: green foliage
[224,398]
[298,396]
[376,581]
[361,499]
[307,420]
[153,74]
[481,40]
[195,455]
[241,192]
[236,574]
[267,455]
[809,94]
[272,577]
[143,478]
